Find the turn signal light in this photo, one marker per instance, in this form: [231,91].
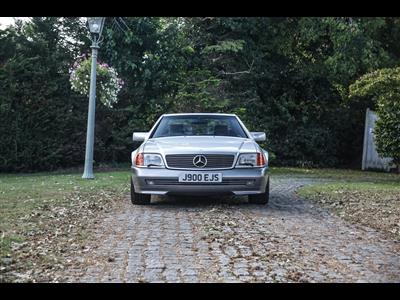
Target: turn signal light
[260,159]
[139,160]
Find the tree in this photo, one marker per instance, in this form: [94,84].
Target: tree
[198,92]
[39,113]
[384,87]
[289,77]
[286,76]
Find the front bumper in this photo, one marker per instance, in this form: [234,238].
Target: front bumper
[238,181]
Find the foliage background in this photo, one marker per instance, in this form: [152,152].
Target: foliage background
[384,86]
[288,76]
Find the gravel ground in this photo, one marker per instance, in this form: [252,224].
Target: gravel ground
[229,240]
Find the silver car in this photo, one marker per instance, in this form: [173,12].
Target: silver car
[199,154]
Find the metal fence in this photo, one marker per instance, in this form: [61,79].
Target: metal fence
[371,158]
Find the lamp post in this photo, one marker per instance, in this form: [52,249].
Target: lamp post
[95,27]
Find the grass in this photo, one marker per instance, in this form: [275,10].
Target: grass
[25,195]
[343,179]
[338,174]
[365,198]
[333,188]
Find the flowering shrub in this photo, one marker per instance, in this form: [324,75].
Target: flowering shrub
[108,83]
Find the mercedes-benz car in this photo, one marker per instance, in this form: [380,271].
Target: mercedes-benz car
[199,154]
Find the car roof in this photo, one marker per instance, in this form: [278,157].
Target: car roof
[204,114]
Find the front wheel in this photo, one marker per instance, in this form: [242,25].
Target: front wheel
[260,198]
[139,198]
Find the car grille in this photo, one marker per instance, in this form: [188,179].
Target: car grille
[185,161]
[226,181]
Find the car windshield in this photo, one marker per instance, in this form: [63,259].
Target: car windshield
[199,125]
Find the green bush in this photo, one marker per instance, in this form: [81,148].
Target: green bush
[383,86]
[285,76]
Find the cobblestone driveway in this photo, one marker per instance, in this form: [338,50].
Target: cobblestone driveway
[229,240]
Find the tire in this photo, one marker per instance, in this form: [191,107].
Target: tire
[140,199]
[260,198]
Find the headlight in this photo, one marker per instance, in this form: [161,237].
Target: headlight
[251,160]
[149,160]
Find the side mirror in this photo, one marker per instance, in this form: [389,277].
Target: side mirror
[258,136]
[139,136]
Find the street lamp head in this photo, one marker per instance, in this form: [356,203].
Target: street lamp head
[95,24]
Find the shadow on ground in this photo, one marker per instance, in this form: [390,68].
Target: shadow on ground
[196,201]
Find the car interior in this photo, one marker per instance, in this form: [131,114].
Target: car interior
[176,129]
[181,129]
[221,130]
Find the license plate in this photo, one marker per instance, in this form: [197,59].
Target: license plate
[200,177]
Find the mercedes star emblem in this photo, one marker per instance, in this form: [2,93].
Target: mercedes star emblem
[200,161]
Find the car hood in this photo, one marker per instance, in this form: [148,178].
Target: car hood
[199,144]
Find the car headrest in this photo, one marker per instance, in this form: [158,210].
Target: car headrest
[221,130]
[176,129]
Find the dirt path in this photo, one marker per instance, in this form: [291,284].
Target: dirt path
[229,240]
